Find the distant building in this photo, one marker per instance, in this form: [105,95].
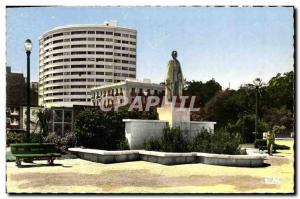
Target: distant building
[16,96]
[127,88]
[74,58]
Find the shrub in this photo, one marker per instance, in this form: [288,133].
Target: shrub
[105,130]
[221,142]
[62,143]
[36,138]
[123,145]
[152,145]
[201,142]
[173,141]
[13,137]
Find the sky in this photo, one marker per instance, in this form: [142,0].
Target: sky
[231,45]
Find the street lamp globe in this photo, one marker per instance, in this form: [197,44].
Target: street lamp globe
[28,45]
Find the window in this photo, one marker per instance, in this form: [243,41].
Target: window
[78,46]
[78,32]
[57,54]
[57,115]
[109,33]
[78,39]
[91,32]
[78,66]
[99,39]
[99,32]
[99,59]
[109,53]
[58,60]
[58,41]
[78,59]
[118,34]
[78,53]
[58,47]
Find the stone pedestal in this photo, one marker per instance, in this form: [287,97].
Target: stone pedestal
[176,116]
[139,131]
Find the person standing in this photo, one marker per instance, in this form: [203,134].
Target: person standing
[271,139]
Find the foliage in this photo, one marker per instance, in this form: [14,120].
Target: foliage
[152,144]
[105,130]
[13,137]
[203,91]
[123,145]
[62,143]
[220,142]
[235,109]
[36,138]
[174,141]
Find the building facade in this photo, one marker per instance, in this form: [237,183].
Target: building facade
[16,96]
[74,58]
[128,88]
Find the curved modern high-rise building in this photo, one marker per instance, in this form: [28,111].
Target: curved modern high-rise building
[74,58]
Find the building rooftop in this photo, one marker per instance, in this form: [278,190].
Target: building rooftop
[109,24]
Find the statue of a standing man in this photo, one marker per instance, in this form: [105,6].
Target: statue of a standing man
[174,78]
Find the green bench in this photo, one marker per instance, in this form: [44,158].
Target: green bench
[34,151]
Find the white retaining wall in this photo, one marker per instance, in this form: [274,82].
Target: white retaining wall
[138,131]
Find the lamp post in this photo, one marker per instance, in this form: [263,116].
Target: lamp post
[28,48]
[257,83]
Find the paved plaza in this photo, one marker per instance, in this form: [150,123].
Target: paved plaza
[81,176]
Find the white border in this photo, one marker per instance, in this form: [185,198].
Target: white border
[4,3]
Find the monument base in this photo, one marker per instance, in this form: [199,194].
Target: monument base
[174,115]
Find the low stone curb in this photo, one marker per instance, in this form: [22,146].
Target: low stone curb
[166,158]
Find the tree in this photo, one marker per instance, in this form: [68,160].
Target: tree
[203,91]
